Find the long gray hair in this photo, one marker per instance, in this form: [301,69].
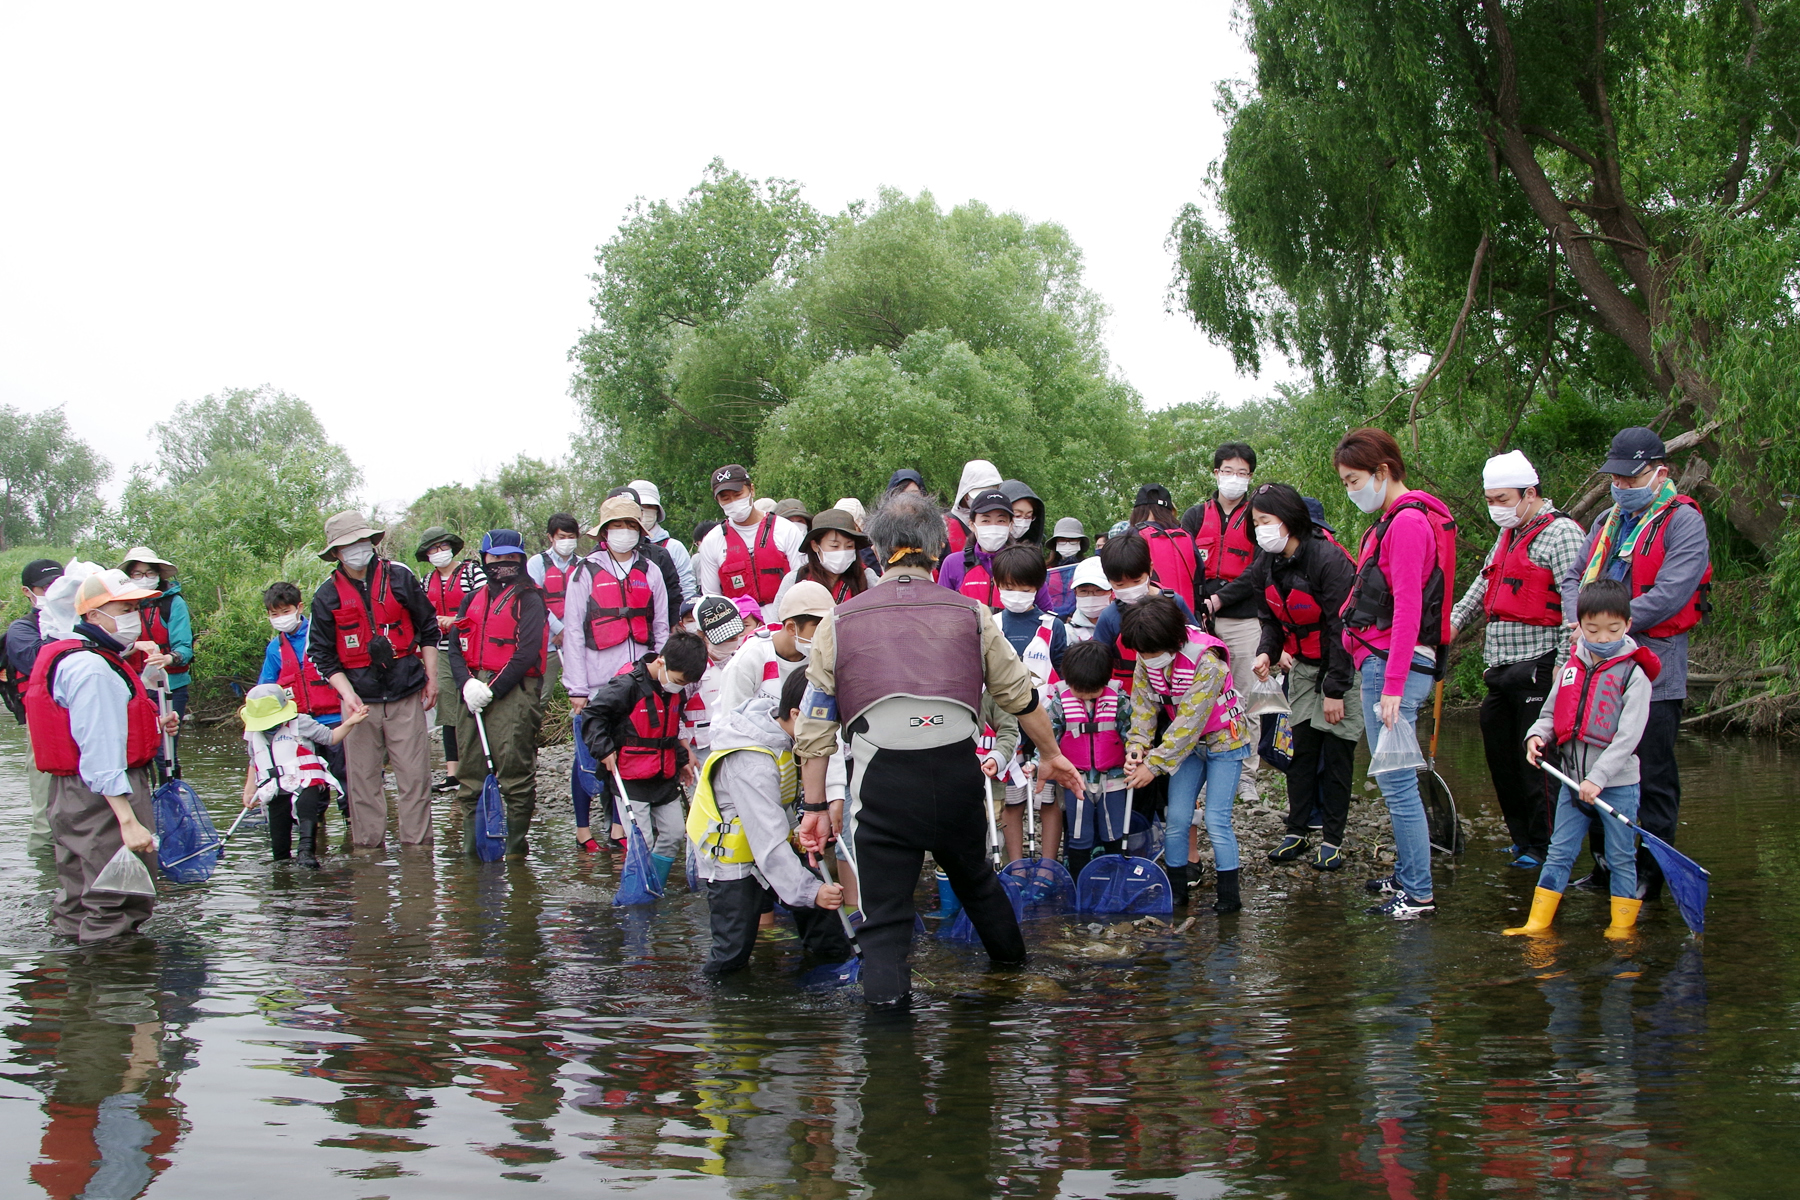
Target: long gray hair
[907,521]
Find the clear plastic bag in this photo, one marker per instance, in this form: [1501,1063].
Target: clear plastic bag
[125,873]
[1397,749]
[1266,698]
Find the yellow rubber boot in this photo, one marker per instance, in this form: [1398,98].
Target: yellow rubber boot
[1543,911]
[1624,917]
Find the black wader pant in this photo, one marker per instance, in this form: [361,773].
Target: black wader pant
[1659,798]
[1319,774]
[309,807]
[736,906]
[904,803]
[1515,695]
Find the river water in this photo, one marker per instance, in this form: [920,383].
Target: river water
[414,1025]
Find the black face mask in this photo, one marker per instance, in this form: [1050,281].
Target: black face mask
[504,573]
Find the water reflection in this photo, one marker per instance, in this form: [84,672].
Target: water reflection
[413,1025]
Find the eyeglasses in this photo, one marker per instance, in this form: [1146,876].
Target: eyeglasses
[1234,474]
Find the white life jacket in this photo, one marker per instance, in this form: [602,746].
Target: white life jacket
[295,764]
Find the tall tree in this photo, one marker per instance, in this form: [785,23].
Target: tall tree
[1526,195]
[49,479]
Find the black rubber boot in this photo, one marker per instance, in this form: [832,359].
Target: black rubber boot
[1079,859]
[1228,900]
[1180,879]
[311,812]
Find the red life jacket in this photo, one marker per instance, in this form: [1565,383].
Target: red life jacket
[749,571]
[839,587]
[446,595]
[1301,615]
[1648,560]
[1227,543]
[1371,600]
[1174,558]
[156,629]
[354,629]
[1091,736]
[312,693]
[978,582]
[1590,698]
[556,583]
[652,730]
[53,744]
[618,609]
[1518,589]
[489,631]
[956,535]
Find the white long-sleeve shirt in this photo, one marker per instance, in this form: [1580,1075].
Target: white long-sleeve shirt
[787,536]
[89,687]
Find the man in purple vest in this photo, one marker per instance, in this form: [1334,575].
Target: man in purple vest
[901,668]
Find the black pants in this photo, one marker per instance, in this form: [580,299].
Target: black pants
[1659,796]
[737,904]
[904,803]
[1515,695]
[1319,773]
[284,808]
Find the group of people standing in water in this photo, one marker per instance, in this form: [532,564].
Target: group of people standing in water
[880,674]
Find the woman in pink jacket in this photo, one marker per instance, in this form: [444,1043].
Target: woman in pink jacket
[1397,629]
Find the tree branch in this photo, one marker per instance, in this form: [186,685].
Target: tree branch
[1462,317]
[712,429]
[1556,139]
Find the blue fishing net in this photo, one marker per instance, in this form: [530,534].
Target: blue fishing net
[1059,587]
[1045,885]
[1120,883]
[490,822]
[1688,881]
[961,929]
[187,842]
[584,774]
[638,882]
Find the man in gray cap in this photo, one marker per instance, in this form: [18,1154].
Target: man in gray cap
[374,637]
[1653,539]
[901,668]
[23,637]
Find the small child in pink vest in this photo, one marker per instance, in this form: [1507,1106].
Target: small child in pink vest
[1091,714]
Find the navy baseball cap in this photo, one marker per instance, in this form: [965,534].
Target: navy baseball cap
[991,500]
[1153,493]
[40,572]
[1633,449]
[502,541]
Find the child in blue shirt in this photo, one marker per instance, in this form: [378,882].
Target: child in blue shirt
[285,662]
[1039,638]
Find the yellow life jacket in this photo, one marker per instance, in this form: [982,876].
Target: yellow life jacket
[725,841]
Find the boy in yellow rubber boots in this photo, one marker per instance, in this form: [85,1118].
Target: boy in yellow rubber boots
[1598,705]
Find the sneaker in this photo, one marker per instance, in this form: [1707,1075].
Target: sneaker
[588,847]
[1402,907]
[1525,862]
[1327,858]
[446,784]
[1383,887]
[1292,847]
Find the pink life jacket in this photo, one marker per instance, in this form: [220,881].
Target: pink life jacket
[1172,682]
[1091,737]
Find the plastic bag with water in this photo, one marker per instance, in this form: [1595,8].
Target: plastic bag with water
[127,874]
[1266,698]
[1397,749]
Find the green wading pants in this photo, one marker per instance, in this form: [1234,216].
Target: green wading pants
[512,721]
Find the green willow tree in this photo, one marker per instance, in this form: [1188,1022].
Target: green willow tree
[895,334]
[1534,196]
[49,479]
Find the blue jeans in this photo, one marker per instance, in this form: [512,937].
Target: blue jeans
[1406,812]
[1572,827]
[1219,772]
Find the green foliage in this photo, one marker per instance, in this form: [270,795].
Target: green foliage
[12,562]
[522,495]
[236,495]
[49,478]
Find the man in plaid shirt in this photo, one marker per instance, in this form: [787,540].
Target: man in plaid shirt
[1517,589]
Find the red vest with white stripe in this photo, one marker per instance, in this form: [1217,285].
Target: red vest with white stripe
[1589,699]
[752,571]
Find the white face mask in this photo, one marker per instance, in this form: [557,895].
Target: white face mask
[803,646]
[148,579]
[738,511]
[690,627]
[127,628]
[440,558]
[1131,595]
[1273,538]
[1017,602]
[1021,528]
[1369,496]
[286,622]
[356,555]
[1157,662]
[837,561]
[564,547]
[1091,606]
[1232,486]
[1068,549]
[622,541]
[992,537]
[37,600]
[1504,515]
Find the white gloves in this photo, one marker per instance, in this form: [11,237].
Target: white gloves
[267,791]
[477,695]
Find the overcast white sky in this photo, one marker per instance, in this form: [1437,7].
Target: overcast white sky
[391,210]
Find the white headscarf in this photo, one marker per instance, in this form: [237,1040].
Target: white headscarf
[57,621]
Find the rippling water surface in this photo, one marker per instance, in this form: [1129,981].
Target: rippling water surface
[416,1025]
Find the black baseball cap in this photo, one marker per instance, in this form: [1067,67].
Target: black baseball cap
[1633,449]
[991,500]
[1153,493]
[731,476]
[719,619]
[40,572]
